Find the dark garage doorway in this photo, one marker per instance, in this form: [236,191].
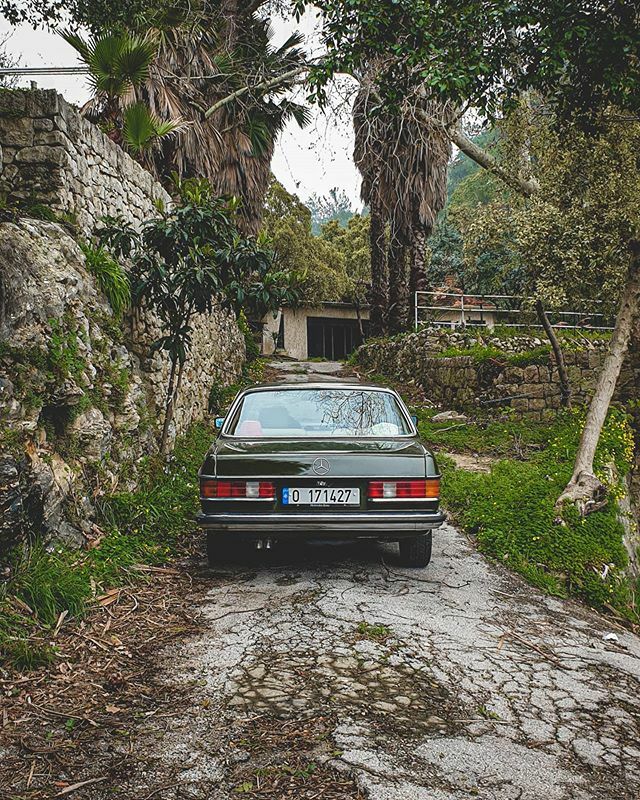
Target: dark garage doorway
[333,338]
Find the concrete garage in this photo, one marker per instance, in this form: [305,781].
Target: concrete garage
[330,330]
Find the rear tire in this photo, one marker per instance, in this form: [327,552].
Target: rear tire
[415,551]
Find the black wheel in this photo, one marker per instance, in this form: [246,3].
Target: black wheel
[221,548]
[415,551]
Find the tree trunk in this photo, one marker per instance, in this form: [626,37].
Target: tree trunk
[398,284]
[359,318]
[565,386]
[418,273]
[168,411]
[379,275]
[584,489]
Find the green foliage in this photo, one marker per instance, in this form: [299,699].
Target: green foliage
[335,265]
[250,341]
[486,436]
[287,225]
[142,130]
[352,243]
[189,258]
[581,54]
[93,14]
[117,60]
[375,632]
[147,526]
[336,206]
[63,356]
[111,277]
[481,353]
[511,511]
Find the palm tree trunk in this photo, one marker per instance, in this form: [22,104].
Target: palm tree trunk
[398,283]
[418,274]
[379,275]
[585,489]
[565,386]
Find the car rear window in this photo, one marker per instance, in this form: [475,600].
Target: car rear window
[318,412]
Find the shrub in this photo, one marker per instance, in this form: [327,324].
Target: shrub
[111,277]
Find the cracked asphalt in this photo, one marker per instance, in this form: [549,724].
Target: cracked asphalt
[445,683]
[451,682]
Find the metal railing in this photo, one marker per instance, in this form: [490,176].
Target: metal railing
[507,310]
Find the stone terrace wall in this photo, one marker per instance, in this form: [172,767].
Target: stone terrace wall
[465,383]
[49,154]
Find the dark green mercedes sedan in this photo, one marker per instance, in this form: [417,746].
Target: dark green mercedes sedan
[319,461]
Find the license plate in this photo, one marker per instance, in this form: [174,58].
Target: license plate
[304,496]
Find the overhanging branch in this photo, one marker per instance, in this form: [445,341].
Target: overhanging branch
[482,157]
[263,87]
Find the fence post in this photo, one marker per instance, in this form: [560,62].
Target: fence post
[415,312]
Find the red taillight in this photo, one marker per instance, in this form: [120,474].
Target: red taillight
[403,490]
[237,490]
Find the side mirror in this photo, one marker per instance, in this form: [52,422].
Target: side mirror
[219,422]
[414,419]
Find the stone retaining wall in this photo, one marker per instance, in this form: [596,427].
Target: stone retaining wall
[51,155]
[466,382]
[81,394]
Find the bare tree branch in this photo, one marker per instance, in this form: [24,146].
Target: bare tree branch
[260,87]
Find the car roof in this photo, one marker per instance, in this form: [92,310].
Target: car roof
[318,385]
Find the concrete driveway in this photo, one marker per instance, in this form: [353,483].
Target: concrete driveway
[446,683]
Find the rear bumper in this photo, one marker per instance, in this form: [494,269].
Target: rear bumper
[363,524]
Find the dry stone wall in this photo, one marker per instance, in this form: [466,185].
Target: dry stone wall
[467,382]
[81,394]
[51,155]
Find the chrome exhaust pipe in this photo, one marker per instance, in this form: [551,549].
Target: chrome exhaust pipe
[267,544]
[258,544]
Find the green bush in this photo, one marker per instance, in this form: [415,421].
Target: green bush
[252,346]
[111,277]
[511,512]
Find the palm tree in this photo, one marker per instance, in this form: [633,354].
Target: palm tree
[203,59]
[405,166]
[118,63]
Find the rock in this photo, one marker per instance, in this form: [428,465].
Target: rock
[67,394]
[92,433]
[11,508]
[449,416]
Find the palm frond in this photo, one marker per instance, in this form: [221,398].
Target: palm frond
[78,44]
[135,59]
[260,134]
[141,129]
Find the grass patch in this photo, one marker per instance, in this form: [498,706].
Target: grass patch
[511,512]
[110,275]
[481,354]
[150,526]
[375,633]
[506,437]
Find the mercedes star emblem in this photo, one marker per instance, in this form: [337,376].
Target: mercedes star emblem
[321,466]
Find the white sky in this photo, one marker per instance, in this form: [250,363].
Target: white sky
[315,159]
